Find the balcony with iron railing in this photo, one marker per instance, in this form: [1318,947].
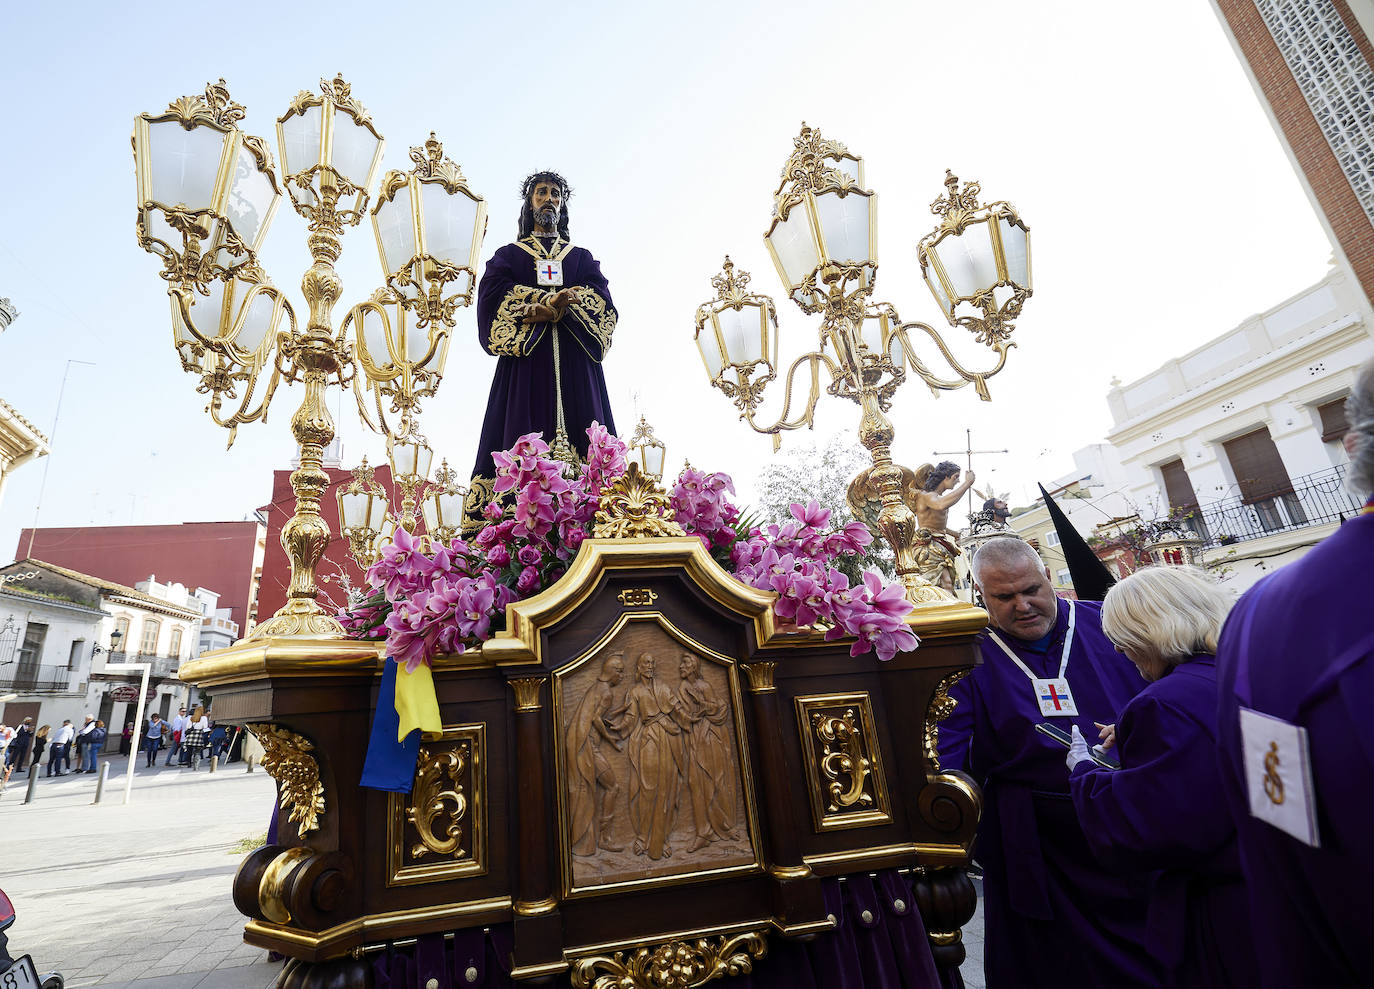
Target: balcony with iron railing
[20,678]
[160,665]
[1313,499]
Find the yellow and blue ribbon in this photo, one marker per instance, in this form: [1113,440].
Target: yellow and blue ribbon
[407,709]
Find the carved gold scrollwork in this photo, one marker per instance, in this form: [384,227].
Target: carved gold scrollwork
[634,506]
[286,757]
[636,597]
[438,833]
[844,763]
[438,791]
[843,756]
[941,707]
[675,965]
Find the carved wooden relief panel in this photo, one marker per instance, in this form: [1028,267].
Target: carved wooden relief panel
[651,780]
[844,768]
[438,830]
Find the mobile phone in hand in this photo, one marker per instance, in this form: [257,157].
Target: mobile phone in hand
[1104,759]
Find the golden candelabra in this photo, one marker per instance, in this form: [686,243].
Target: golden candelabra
[822,240]
[206,196]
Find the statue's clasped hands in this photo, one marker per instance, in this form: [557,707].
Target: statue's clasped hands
[553,310]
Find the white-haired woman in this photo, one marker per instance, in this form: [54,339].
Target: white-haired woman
[1163,812]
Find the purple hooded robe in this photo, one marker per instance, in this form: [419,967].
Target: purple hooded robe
[1163,813]
[1299,646]
[1052,914]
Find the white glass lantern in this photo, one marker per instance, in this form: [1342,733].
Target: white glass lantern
[647,450]
[443,506]
[362,514]
[824,229]
[329,138]
[429,228]
[880,336]
[207,192]
[410,459]
[237,316]
[977,262]
[398,355]
[738,330]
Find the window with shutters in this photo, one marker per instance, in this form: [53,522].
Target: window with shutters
[1263,480]
[121,642]
[149,644]
[174,649]
[1177,485]
[1334,426]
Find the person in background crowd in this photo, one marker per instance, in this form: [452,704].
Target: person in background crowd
[152,738]
[83,741]
[126,738]
[95,744]
[195,738]
[1163,811]
[57,750]
[18,751]
[177,729]
[40,742]
[1295,676]
[219,739]
[1051,909]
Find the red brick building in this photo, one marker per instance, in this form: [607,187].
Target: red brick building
[1312,66]
[224,557]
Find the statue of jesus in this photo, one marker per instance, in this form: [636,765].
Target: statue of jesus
[544,311]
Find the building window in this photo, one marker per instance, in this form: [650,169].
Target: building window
[174,649]
[150,630]
[1335,79]
[1063,577]
[1263,480]
[122,627]
[1052,538]
[31,652]
[1334,425]
[74,657]
[1177,487]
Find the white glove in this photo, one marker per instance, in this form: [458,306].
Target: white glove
[1078,750]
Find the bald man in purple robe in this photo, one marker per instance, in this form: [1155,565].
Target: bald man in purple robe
[544,310]
[1053,915]
[1296,665]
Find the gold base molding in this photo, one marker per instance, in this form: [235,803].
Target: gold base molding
[263,658]
[674,965]
[338,940]
[886,856]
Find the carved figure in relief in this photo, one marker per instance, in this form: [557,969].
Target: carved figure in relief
[657,758]
[705,717]
[592,782]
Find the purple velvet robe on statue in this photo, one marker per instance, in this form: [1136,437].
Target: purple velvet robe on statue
[1053,915]
[1163,813]
[1299,646]
[522,398]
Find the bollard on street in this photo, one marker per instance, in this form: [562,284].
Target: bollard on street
[214,763]
[249,769]
[100,781]
[33,781]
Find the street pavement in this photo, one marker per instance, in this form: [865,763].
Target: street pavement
[138,895]
[135,895]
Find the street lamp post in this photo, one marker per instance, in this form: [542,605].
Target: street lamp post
[822,240]
[207,193]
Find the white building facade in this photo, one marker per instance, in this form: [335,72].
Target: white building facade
[1243,434]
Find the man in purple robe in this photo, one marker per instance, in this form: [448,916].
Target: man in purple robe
[1053,915]
[1296,688]
[545,311]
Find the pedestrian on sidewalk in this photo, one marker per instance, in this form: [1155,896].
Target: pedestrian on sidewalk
[83,741]
[126,738]
[57,751]
[95,744]
[196,737]
[178,730]
[40,742]
[18,751]
[152,738]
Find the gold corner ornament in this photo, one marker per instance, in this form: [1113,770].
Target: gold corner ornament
[843,754]
[286,758]
[439,791]
[941,707]
[634,506]
[675,965]
[215,107]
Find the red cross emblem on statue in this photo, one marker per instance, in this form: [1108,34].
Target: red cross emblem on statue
[1053,696]
[548,271]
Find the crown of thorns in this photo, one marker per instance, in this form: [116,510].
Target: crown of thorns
[528,185]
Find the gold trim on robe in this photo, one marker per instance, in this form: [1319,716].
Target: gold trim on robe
[480,492]
[598,320]
[510,335]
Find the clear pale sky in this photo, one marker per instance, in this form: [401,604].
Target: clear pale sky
[1162,208]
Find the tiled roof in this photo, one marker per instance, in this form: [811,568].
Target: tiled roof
[22,421]
[123,590]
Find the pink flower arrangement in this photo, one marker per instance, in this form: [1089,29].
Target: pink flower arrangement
[455,597]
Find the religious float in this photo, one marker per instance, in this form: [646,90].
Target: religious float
[619,736]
